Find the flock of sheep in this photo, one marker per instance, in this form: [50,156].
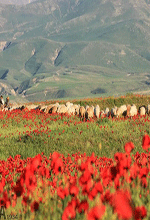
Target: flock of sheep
[91,111]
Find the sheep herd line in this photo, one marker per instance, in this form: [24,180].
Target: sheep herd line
[87,112]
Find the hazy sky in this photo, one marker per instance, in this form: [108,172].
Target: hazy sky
[18,2]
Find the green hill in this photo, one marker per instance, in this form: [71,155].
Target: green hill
[59,49]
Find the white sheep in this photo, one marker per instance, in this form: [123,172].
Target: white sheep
[97,111]
[54,109]
[76,107]
[114,111]
[102,113]
[71,110]
[133,111]
[121,110]
[49,108]
[32,106]
[86,107]
[142,110]
[62,109]
[56,104]
[69,104]
[107,112]
[148,109]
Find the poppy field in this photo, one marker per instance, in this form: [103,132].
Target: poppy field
[56,166]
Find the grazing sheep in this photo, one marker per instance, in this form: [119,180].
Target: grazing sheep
[76,107]
[43,108]
[86,107]
[82,112]
[107,112]
[148,109]
[69,104]
[71,110]
[142,110]
[133,111]
[97,111]
[89,113]
[102,113]
[92,108]
[128,110]
[56,104]
[30,107]
[49,109]
[1,107]
[113,111]
[62,109]
[54,109]
[14,106]
[21,107]
[121,110]
[6,109]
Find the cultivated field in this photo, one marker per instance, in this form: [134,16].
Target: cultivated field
[56,166]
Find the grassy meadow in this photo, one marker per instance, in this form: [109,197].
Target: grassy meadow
[30,133]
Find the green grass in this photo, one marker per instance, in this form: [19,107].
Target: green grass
[104,137]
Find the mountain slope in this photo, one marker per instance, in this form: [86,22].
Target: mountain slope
[53,47]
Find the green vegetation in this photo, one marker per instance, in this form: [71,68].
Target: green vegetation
[29,133]
[74,49]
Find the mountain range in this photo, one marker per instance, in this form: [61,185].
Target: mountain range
[74,48]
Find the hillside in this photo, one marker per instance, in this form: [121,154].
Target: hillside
[59,49]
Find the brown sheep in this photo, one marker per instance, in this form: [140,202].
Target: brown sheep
[76,109]
[49,109]
[148,109]
[54,109]
[82,112]
[89,113]
[127,112]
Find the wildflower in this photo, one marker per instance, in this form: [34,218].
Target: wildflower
[146,142]
[140,212]
[129,147]
[69,212]
[122,206]
[83,206]
[96,212]
[34,206]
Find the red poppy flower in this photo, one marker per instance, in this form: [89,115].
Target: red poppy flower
[34,206]
[146,142]
[122,204]
[74,190]
[83,206]
[69,213]
[129,147]
[140,213]
[36,162]
[62,193]
[96,212]
[18,189]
